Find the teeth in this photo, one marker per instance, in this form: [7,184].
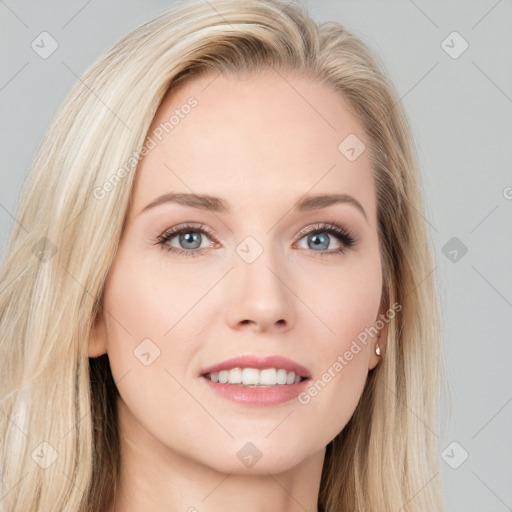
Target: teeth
[254,377]
[250,376]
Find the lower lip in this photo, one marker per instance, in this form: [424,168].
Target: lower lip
[263,396]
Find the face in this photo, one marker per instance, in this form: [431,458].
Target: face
[258,278]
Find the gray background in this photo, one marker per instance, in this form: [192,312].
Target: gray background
[460,110]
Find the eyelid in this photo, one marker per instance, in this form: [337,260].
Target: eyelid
[192,226]
[186,225]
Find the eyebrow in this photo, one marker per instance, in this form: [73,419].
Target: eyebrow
[216,204]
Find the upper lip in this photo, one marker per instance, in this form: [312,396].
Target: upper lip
[260,363]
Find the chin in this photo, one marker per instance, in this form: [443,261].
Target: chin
[245,457]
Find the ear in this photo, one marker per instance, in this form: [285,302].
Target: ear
[379,339]
[98,337]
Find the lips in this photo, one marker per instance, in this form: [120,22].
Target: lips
[260,363]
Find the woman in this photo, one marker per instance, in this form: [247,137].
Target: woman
[293,362]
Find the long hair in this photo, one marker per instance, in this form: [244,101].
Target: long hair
[59,439]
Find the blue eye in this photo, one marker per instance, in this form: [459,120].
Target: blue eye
[190,243]
[320,237]
[190,236]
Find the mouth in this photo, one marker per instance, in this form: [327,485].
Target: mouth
[253,387]
[255,378]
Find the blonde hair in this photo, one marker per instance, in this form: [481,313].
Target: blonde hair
[386,458]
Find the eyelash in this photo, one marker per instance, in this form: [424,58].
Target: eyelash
[346,239]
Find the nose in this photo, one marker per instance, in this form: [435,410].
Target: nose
[260,296]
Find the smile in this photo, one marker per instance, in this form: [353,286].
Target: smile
[254,377]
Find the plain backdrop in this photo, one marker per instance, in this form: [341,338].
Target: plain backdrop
[451,63]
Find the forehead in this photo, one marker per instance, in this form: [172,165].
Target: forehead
[271,137]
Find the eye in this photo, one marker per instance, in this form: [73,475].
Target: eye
[190,237]
[319,237]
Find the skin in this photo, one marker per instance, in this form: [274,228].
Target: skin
[261,144]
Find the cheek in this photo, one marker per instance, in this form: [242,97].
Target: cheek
[136,320]
[147,297]
[353,321]
[349,308]
[346,300]
[146,366]
[150,305]
[336,389]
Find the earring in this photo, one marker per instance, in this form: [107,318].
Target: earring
[377,350]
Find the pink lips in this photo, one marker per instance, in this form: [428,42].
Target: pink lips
[259,363]
[262,397]
[258,396]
